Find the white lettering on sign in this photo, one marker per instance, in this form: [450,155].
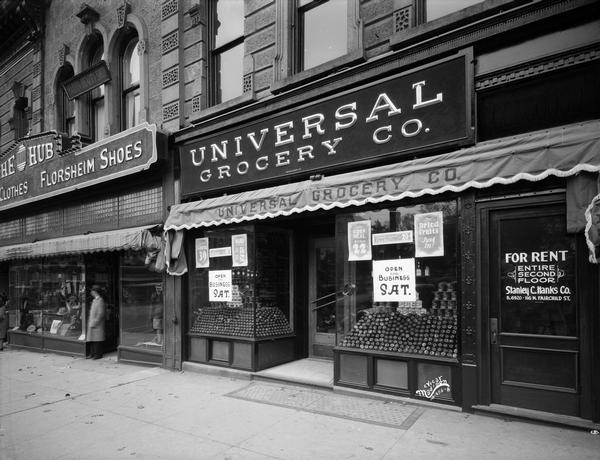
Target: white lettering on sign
[245,147]
[537,276]
[120,155]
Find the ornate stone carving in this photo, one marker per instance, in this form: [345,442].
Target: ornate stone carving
[122,12]
[62,54]
[87,14]
[141,47]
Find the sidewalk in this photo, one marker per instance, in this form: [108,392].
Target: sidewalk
[61,407]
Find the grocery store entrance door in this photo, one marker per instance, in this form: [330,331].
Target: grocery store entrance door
[322,298]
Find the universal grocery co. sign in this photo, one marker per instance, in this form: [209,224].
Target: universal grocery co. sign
[417,110]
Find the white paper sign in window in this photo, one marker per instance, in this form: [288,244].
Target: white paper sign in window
[220,287]
[202,260]
[429,234]
[394,280]
[359,240]
[239,244]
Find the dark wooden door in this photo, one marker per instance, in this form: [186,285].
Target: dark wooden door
[534,338]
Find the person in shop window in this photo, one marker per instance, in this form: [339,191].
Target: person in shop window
[96,332]
[157,317]
[3,320]
[25,315]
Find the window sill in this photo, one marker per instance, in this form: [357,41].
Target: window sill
[452,21]
[319,71]
[218,109]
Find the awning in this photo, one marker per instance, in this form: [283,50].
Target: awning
[561,152]
[136,238]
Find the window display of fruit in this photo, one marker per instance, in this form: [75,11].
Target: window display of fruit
[411,333]
[239,321]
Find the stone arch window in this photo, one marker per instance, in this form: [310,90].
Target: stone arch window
[92,116]
[20,119]
[65,108]
[130,79]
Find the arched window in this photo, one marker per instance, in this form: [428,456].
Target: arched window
[97,102]
[130,82]
[65,108]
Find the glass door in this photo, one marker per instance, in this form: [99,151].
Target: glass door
[534,338]
[322,297]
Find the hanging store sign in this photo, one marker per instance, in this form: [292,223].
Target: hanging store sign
[405,236]
[394,280]
[422,109]
[89,79]
[39,167]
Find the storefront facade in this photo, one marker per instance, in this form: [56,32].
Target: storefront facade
[82,238]
[423,223]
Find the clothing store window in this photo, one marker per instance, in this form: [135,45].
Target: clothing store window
[226,57]
[322,32]
[47,296]
[130,83]
[141,303]
[65,108]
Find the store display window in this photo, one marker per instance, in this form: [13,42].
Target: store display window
[239,283]
[47,296]
[402,262]
[141,303]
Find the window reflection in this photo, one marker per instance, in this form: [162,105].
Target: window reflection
[437,8]
[324,29]
[131,84]
[141,303]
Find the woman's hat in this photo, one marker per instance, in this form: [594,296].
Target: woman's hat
[96,287]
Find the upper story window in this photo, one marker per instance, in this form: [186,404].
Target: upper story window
[434,9]
[20,119]
[313,38]
[322,32]
[130,83]
[65,108]
[91,119]
[226,45]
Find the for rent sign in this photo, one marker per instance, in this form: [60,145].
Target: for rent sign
[423,108]
[37,167]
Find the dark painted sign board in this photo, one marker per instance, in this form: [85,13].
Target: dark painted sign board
[421,109]
[37,168]
[91,78]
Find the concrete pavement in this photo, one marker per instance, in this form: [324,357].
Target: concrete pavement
[62,407]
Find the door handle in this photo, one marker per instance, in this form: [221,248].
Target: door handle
[494,331]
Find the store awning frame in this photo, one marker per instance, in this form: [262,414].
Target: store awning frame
[560,152]
[136,238]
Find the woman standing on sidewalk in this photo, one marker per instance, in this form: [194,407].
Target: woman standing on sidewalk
[96,332]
